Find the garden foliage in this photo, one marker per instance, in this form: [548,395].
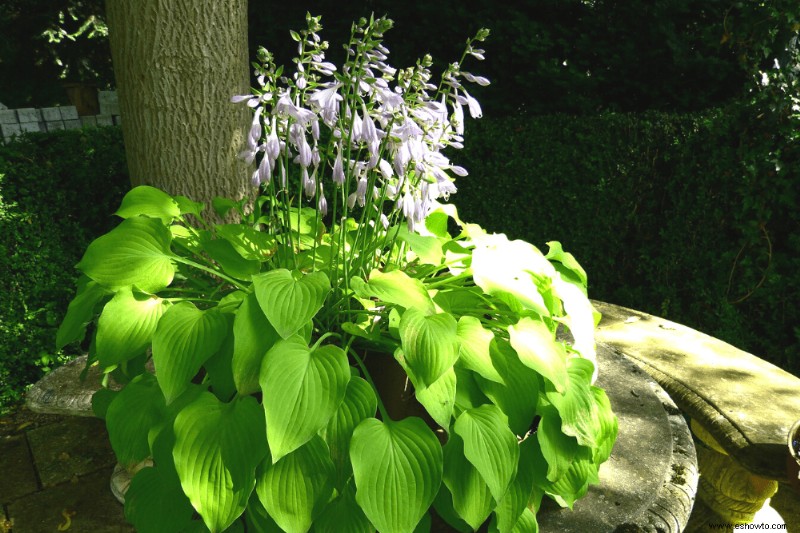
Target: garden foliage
[56,191]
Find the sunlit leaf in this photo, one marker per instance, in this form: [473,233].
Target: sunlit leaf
[395,287]
[296,488]
[217,449]
[185,338]
[472,499]
[134,411]
[302,391]
[135,253]
[126,326]
[79,313]
[253,335]
[398,470]
[289,303]
[490,446]
[537,348]
[148,201]
[430,343]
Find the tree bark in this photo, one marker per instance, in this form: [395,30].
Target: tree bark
[177,63]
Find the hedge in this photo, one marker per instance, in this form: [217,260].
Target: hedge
[57,193]
[691,217]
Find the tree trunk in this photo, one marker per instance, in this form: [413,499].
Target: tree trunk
[177,64]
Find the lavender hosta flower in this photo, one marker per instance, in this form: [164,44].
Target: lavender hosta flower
[327,102]
[264,170]
[338,168]
[309,183]
[286,107]
[474,106]
[361,191]
[322,204]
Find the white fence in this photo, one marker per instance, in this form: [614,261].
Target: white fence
[18,121]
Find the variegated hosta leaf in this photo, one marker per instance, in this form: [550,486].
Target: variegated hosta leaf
[302,391]
[397,468]
[126,326]
[217,449]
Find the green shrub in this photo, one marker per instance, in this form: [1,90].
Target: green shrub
[57,193]
[684,216]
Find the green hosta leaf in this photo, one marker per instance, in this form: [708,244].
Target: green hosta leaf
[468,392]
[217,449]
[127,325]
[474,341]
[343,515]
[490,446]
[558,449]
[575,482]
[188,206]
[519,396]
[218,368]
[155,503]
[135,253]
[249,242]
[427,248]
[302,391]
[444,508]
[359,404]
[430,343]
[148,201]
[576,406]
[395,287]
[537,349]
[514,503]
[296,488]
[185,338]
[525,524]
[253,335]
[439,398]
[134,411]
[397,468]
[79,313]
[608,425]
[472,499]
[500,266]
[556,253]
[230,260]
[290,303]
[257,519]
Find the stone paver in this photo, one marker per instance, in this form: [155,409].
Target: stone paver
[92,508]
[70,448]
[17,475]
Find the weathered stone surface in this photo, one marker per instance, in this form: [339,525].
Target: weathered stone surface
[72,124]
[9,130]
[746,403]
[68,112]
[89,121]
[17,476]
[8,116]
[62,392]
[51,114]
[57,125]
[30,127]
[649,482]
[109,102]
[29,114]
[70,448]
[89,505]
[105,120]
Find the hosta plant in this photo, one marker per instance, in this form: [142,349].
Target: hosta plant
[267,336]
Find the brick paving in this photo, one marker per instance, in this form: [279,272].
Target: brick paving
[54,476]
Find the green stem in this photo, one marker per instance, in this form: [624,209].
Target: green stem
[381,407]
[211,271]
